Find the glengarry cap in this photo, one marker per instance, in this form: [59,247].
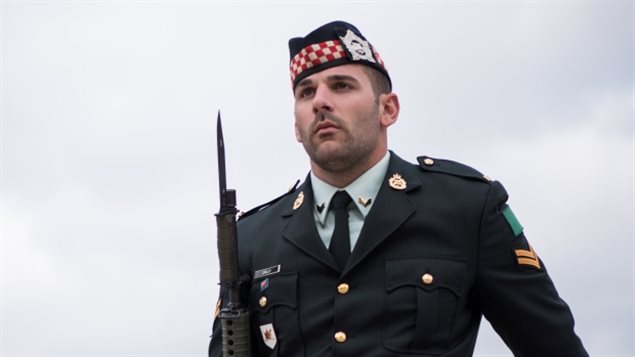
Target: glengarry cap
[330,45]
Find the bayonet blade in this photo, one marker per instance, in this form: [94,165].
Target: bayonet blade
[220,146]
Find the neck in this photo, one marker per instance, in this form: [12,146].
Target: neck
[343,178]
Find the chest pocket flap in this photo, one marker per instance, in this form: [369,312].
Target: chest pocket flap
[422,296]
[426,273]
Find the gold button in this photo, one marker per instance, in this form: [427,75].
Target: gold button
[340,337]
[427,279]
[428,161]
[263,301]
[343,288]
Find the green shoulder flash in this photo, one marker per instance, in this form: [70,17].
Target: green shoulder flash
[513,222]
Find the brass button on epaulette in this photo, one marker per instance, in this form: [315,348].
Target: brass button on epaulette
[427,279]
[340,337]
[263,301]
[428,161]
[343,288]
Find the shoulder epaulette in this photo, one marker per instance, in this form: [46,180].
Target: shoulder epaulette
[451,167]
[267,204]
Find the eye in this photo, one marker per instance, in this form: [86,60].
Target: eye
[305,92]
[342,86]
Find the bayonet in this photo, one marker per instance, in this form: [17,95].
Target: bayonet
[234,314]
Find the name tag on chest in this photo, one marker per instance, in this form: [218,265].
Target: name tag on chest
[267,271]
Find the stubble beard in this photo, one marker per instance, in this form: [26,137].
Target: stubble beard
[339,155]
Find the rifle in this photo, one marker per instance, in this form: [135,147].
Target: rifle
[234,315]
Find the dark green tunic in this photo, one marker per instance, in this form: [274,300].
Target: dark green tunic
[431,259]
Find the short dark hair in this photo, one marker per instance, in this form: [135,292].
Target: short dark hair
[378,80]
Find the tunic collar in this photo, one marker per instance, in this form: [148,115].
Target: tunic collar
[363,190]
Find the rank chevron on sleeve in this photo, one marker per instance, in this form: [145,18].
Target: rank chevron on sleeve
[527,257]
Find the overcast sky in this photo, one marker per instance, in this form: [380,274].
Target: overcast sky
[108,160]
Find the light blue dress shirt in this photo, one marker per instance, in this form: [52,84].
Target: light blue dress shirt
[363,189]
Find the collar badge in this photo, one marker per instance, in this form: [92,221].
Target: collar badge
[364,201]
[298,200]
[357,47]
[397,182]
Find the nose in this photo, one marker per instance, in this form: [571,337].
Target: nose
[322,100]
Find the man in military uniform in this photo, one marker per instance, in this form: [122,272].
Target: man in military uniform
[375,256]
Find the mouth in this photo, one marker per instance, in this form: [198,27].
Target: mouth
[326,123]
[325,127]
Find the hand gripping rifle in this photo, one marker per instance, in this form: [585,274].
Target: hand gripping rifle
[234,315]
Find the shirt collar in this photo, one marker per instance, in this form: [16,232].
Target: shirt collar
[363,190]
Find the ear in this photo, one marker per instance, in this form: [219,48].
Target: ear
[388,109]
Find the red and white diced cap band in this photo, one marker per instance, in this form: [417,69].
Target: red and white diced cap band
[314,55]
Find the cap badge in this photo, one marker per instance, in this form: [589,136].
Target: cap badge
[358,48]
[397,182]
[298,201]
